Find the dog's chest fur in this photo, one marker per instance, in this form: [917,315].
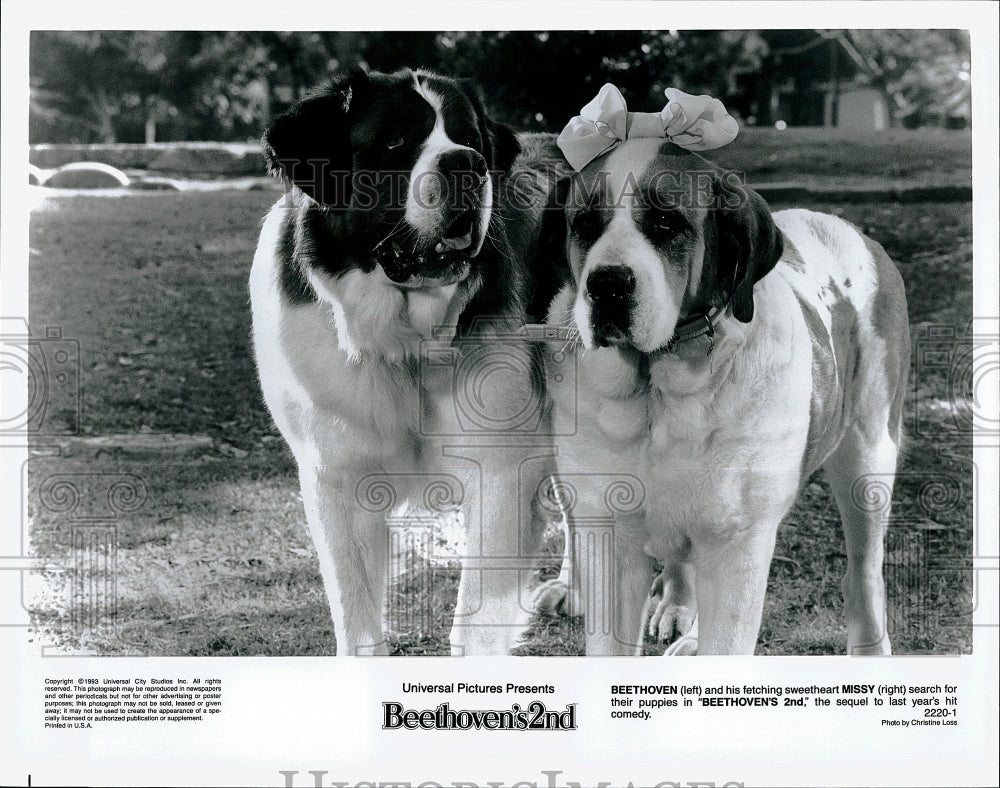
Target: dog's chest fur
[711,435]
[332,409]
[720,438]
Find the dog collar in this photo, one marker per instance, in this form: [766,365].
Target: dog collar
[683,344]
[697,327]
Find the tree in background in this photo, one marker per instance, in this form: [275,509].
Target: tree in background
[93,84]
[134,86]
[922,73]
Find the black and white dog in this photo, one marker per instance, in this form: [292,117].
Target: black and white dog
[725,353]
[388,289]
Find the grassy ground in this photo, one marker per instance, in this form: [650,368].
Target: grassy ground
[216,561]
[927,156]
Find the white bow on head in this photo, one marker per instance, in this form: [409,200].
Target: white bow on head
[693,122]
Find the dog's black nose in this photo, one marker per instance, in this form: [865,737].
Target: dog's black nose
[607,287]
[463,163]
[610,291]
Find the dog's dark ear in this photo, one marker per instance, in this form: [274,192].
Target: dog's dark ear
[310,145]
[505,145]
[749,243]
[500,145]
[550,265]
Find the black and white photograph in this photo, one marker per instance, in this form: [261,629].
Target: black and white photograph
[590,340]
[458,346]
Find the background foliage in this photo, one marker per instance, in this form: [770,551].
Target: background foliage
[135,86]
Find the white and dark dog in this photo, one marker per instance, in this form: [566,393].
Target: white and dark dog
[388,288]
[725,353]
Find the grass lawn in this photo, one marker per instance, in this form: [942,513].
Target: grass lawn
[215,560]
[924,156]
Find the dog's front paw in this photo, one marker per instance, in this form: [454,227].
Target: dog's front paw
[686,645]
[869,647]
[667,619]
[671,610]
[554,598]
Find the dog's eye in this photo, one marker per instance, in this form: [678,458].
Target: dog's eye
[668,221]
[587,225]
[395,142]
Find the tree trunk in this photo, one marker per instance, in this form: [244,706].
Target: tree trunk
[103,110]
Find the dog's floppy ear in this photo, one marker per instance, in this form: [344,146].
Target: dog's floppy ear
[505,146]
[550,265]
[500,145]
[749,244]
[310,145]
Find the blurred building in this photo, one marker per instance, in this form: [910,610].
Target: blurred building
[812,79]
[824,78]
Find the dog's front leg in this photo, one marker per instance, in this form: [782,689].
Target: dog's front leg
[504,526]
[606,572]
[731,580]
[613,574]
[861,470]
[351,544]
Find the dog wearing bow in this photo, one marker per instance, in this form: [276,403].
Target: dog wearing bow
[725,352]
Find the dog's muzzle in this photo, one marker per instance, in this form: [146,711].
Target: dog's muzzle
[447,259]
[611,294]
[446,256]
[445,266]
